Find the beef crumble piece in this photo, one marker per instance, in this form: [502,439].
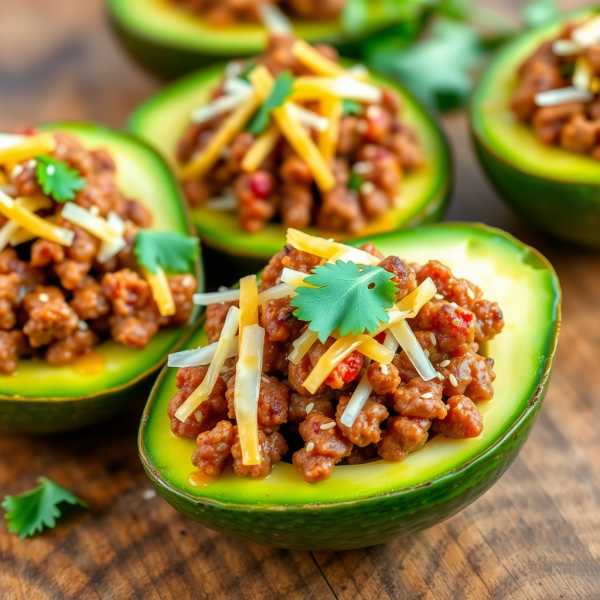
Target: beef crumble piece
[289,258]
[366,428]
[402,436]
[384,378]
[78,343]
[208,414]
[89,300]
[9,295]
[452,326]
[214,449]
[462,421]
[278,320]
[460,291]
[12,344]
[215,319]
[301,406]
[325,445]
[420,398]
[404,276]
[272,447]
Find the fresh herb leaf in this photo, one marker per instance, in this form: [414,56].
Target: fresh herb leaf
[438,69]
[248,68]
[355,182]
[349,107]
[347,297]
[58,179]
[173,252]
[29,512]
[539,12]
[282,88]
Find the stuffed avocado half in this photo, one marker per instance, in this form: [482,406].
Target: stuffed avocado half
[365,504]
[41,397]
[553,187]
[423,192]
[170,42]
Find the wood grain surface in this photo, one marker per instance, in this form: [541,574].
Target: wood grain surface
[535,535]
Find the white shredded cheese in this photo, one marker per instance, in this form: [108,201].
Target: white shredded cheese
[8,140]
[110,249]
[200,356]
[225,203]
[221,105]
[587,34]
[566,47]
[308,118]
[406,338]
[562,95]
[274,20]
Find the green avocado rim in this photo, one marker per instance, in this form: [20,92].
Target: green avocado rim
[142,174]
[492,259]
[162,119]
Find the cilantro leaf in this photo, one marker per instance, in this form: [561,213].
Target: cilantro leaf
[355,182]
[349,107]
[29,512]
[58,179]
[282,88]
[174,252]
[539,12]
[348,297]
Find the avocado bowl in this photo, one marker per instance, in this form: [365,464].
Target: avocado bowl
[363,505]
[170,42]
[40,398]
[555,189]
[425,192]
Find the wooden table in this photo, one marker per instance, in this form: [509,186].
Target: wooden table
[536,534]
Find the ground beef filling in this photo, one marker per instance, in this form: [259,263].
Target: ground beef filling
[574,125]
[375,148]
[222,13]
[403,411]
[58,301]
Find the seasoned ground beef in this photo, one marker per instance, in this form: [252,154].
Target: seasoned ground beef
[373,152]
[573,123]
[401,411]
[58,301]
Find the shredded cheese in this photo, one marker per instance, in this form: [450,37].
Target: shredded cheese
[302,345]
[201,356]
[566,47]
[583,73]
[406,338]
[260,150]
[295,278]
[373,349]
[339,350]
[110,249]
[22,235]
[346,87]
[27,219]
[311,58]
[221,105]
[587,34]
[307,117]
[274,20]
[29,147]
[208,156]
[91,223]
[280,290]
[203,391]
[216,297]
[161,291]
[248,304]
[10,228]
[331,109]
[562,95]
[9,140]
[248,375]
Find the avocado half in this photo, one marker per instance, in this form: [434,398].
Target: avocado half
[553,188]
[169,42]
[40,398]
[162,119]
[363,505]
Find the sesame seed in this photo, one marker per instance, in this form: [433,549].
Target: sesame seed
[445,363]
[50,170]
[327,426]
[452,380]
[384,369]
[310,446]
[309,407]
[16,171]
[265,380]
[362,167]
[373,111]
[427,395]
[426,353]
[198,414]
[439,297]
[82,326]
[43,297]
[454,304]
[32,163]
[459,406]
[432,338]
[367,188]
[362,126]
[470,293]
[440,376]
[94,210]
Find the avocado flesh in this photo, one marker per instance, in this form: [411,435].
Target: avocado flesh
[366,504]
[162,120]
[170,42]
[556,189]
[41,397]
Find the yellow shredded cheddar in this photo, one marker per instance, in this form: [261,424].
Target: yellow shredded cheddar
[315,61]
[331,109]
[161,291]
[30,147]
[248,303]
[260,150]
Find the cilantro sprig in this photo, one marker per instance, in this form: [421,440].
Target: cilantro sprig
[352,108]
[282,89]
[58,179]
[173,252]
[348,297]
[28,513]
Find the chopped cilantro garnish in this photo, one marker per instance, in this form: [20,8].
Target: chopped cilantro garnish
[349,107]
[355,182]
[347,297]
[282,88]
[58,179]
[29,512]
[173,252]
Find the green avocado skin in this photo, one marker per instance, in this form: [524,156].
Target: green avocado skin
[367,522]
[566,210]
